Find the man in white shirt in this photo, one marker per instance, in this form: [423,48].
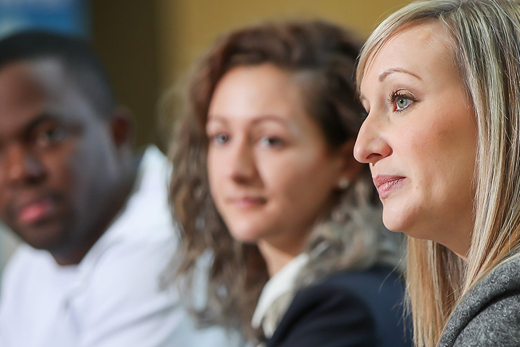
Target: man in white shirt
[95,218]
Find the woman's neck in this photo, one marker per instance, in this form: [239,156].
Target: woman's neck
[277,257]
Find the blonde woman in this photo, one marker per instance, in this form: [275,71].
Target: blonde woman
[440,81]
[265,183]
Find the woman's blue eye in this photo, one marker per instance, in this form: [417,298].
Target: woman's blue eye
[220,138]
[402,102]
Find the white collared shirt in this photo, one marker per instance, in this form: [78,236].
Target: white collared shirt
[277,295]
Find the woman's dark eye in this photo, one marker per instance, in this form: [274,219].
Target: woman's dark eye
[271,142]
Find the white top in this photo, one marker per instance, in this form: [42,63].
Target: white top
[112,298]
[277,295]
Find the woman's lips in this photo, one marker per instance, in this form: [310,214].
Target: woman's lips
[385,184]
[247,202]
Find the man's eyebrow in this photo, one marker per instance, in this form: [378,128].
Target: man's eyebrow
[42,118]
[394,70]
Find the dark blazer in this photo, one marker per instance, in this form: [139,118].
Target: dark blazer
[489,315]
[347,309]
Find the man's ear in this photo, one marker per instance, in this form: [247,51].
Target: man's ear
[350,168]
[121,125]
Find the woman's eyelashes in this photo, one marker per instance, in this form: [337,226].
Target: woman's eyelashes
[271,141]
[264,141]
[401,100]
[219,139]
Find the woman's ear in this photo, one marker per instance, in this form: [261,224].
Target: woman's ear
[121,126]
[350,168]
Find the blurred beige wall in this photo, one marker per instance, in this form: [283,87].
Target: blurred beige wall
[125,35]
[188,27]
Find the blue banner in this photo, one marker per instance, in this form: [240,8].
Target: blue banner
[66,16]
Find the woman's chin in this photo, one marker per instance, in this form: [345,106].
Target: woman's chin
[245,235]
[399,225]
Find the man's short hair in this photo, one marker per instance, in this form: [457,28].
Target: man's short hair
[74,54]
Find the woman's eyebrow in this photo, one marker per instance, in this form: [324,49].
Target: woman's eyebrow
[394,70]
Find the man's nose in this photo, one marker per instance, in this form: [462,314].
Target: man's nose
[21,166]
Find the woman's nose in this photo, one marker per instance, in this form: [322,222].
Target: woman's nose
[371,146]
[242,165]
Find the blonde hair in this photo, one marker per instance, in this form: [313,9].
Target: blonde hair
[486,48]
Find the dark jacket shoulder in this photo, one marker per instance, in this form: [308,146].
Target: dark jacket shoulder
[349,308]
[489,315]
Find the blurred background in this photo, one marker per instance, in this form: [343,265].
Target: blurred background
[149,45]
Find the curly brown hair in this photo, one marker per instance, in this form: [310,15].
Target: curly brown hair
[350,236]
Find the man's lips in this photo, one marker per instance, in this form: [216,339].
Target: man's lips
[36,210]
[385,184]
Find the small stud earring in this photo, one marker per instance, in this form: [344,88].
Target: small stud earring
[343,183]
